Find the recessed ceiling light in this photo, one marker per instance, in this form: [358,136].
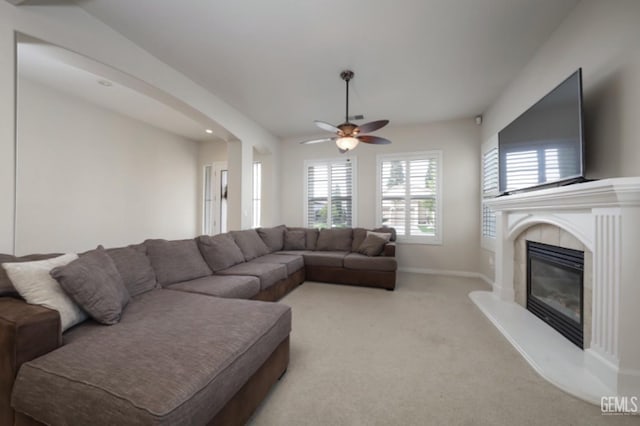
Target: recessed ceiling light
[209,131]
[105,83]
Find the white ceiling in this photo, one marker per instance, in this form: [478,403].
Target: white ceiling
[278,61]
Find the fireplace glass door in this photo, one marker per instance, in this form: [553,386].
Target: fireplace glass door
[555,288]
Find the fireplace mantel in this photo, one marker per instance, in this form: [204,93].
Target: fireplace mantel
[587,195]
[605,216]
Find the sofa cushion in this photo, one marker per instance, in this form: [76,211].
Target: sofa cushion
[294,252]
[269,273]
[310,236]
[220,251]
[34,283]
[134,268]
[367,263]
[292,262]
[176,261]
[325,258]
[94,283]
[372,245]
[229,286]
[250,243]
[336,239]
[273,237]
[175,358]
[6,287]
[387,230]
[386,236]
[359,234]
[295,240]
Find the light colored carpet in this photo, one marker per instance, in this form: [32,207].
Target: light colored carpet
[421,355]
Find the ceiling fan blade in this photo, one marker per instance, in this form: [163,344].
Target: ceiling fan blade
[372,126]
[376,140]
[312,141]
[326,126]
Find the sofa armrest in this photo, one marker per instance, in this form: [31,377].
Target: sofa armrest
[389,250]
[26,332]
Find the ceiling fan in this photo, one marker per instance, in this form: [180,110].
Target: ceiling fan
[348,135]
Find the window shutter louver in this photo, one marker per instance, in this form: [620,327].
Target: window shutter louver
[490,171]
[409,194]
[489,188]
[330,195]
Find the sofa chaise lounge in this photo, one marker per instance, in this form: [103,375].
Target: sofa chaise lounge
[190,347]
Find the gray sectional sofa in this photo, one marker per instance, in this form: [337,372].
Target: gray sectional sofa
[190,347]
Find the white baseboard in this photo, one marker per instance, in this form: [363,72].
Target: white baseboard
[446,272]
[486,279]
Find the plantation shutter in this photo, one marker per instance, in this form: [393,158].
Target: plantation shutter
[489,188]
[409,195]
[330,194]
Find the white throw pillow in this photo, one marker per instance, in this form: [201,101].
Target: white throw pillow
[384,235]
[37,287]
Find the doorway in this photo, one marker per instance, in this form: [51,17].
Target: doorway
[216,180]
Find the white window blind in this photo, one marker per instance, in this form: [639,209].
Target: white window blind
[409,192]
[489,189]
[329,187]
[490,172]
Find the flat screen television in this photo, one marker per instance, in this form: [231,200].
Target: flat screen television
[545,144]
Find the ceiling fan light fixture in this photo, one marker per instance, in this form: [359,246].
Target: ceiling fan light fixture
[349,135]
[347,143]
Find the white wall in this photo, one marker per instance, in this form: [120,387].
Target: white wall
[212,152]
[602,37]
[7,128]
[88,176]
[70,27]
[460,143]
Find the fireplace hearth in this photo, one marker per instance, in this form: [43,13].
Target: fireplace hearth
[555,288]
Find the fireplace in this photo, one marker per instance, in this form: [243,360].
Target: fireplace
[604,216]
[555,288]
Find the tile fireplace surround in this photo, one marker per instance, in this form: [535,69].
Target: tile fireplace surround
[604,216]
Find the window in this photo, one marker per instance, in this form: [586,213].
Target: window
[224,189]
[409,195]
[257,193]
[329,187]
[207,226]
[489,189]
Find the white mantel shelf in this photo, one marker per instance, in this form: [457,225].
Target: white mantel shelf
[620,192]
[605,216]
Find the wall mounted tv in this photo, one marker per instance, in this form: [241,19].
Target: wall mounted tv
[545,145]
